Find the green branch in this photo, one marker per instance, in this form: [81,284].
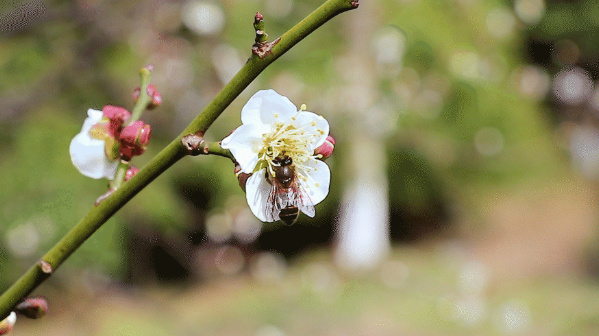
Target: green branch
[99,214]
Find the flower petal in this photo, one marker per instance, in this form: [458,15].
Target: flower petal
[312,123]
[257,190]
[244,143]
[93,117]
[264,105]
[319,179]
[89,157]
[88,154]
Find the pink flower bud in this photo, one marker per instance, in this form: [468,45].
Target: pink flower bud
[134,139]
[116,113]
[33,307]
[152,93]
[326,149]
[132,171]
[8,323]
[156,98]
[136,94]
[116,116]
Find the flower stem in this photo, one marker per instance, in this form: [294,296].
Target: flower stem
[119,177]
[173,152]
[214,148]
[144,99]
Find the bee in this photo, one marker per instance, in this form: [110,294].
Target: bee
[287,197]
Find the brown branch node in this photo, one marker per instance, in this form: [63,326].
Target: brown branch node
[355,3]
[194,143]
[263,49]
[45,266]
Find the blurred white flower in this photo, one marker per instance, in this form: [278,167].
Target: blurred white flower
[275,135]
[8,323]
[88,152]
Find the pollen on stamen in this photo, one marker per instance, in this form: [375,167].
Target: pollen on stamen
[276,115]
[303,107]
[313,123]
[317,185]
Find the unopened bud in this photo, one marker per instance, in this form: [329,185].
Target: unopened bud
[132,171]
[134,139]
[152,93]
[261,35]
[326,149]
[116,113]
[8,323]
[136,134]
[156,98]
[241,177]
[148,68]
[116,117]
[33,307]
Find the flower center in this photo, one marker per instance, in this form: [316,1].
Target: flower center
[287,139]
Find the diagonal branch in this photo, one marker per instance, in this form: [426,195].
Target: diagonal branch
[99,214]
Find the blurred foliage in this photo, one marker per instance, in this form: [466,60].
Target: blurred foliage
[429,295]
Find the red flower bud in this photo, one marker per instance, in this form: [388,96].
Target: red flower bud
[116,113]
[136,134]
[156,98]
[132,171]
[136,94]
[152,93]
[33,307]
[326,149]
[134,139]
[116,116]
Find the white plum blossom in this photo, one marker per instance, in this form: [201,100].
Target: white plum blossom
[272,127]
[88,153]
[8,323]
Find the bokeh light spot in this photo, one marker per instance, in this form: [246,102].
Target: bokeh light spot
[203,18]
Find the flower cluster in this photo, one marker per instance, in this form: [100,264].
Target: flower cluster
[105,139]
[273,134]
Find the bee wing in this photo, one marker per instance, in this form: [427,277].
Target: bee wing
[274,204]
[308,209]
[302,200]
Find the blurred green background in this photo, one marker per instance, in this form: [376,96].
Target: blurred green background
[463,197]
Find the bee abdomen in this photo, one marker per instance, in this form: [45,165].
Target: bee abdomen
[289,215]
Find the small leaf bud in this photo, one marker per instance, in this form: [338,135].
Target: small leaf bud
[34,307]
[132,171]
[326,149]
[8,323]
